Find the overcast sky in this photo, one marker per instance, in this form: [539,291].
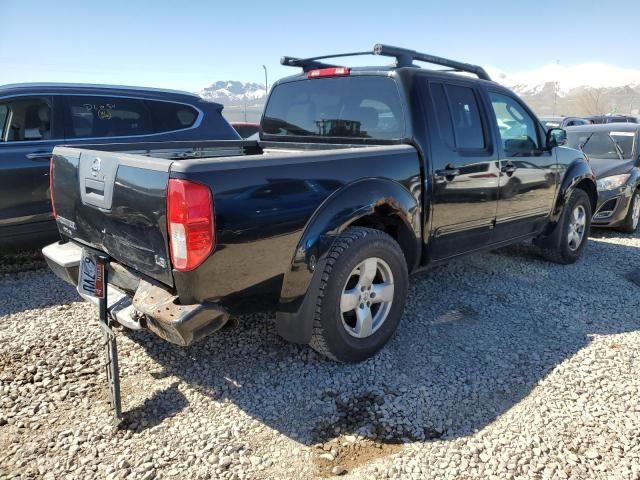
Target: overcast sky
[189,44]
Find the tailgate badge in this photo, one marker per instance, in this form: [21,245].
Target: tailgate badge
[161,262]
[96,166]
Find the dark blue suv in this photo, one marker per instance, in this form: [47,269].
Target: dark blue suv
[36,117]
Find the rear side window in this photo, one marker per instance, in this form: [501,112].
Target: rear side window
[466,117]
[340,107]
[171,116]
[26,119]
[443,115]
[4,115]
[107,117]
[458,116]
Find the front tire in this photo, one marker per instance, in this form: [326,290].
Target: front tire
[631,221]
[361,297]
[572,231]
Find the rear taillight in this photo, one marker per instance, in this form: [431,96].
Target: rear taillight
[53,204]
[329,72]
[190,223]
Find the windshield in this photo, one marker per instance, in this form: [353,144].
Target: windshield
[610,145]
[340,107]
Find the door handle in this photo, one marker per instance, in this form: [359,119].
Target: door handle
[508,169]
[448,172]
[39,155]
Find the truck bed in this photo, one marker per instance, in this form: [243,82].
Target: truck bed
[264,195]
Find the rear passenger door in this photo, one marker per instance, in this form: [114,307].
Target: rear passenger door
[465,169]
[29,129]
[527,180]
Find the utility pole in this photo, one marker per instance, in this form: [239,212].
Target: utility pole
[266,80]
[555,89]
[245,107]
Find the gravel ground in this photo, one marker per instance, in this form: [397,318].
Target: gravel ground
[504,366]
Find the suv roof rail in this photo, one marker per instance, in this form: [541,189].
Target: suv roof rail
[93,85]
[404,58]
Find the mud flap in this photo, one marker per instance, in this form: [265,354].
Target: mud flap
[110,348]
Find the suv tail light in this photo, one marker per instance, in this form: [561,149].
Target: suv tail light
[190,223]
[53,203]
[329,72]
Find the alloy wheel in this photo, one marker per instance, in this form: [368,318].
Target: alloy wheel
[577,225]
[635,212]
[367,297]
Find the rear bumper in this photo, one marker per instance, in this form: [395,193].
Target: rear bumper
[147,305]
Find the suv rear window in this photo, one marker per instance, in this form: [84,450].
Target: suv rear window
[171,116]
[341,107]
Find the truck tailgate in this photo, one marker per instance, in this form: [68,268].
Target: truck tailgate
[116,203]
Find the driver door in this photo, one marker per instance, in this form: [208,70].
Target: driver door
[527,183]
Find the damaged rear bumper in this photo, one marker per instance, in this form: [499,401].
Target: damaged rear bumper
[136,303]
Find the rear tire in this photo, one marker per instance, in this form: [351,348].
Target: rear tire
[630,224]
[570,237]
[362,295]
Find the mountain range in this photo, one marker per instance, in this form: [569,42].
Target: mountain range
[585,89]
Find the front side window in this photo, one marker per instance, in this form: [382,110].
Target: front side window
[107,117]
[366,107]
[517,128]
[25,119]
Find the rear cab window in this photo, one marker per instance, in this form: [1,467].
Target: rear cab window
[353,107]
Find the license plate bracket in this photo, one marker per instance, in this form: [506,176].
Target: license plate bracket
[92,282]
[91,275]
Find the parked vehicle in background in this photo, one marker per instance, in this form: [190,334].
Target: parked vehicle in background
[246,129]
[600,119]
[36,117]
[564,122]
[352,186]
[614,156]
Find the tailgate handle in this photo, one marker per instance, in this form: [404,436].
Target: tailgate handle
[94,187]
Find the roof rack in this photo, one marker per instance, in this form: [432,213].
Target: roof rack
[404,58]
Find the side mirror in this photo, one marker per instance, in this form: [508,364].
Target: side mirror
[556,137]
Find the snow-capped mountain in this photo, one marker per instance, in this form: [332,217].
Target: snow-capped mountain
[586,89]
[232,92]
[568,78]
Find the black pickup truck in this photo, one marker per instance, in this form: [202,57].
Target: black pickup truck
[361,176]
